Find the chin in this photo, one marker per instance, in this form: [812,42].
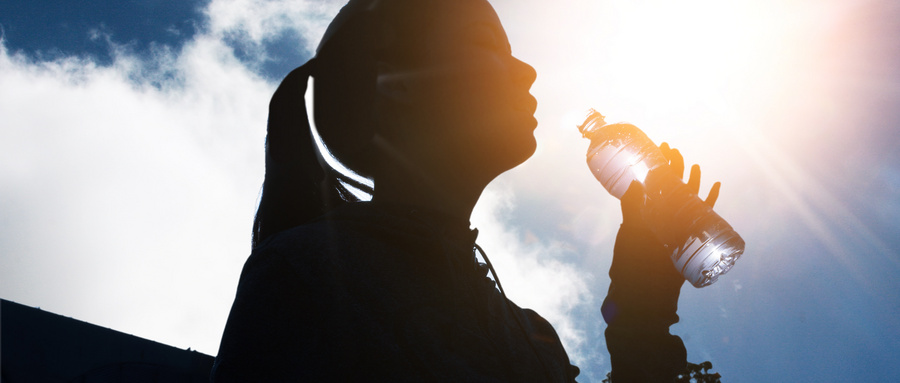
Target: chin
[522,150]
[509,146]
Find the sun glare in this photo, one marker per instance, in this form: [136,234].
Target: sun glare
[752,82]
[678,54]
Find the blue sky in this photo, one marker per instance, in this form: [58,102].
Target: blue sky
[131,157]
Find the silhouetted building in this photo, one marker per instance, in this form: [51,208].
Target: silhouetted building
[37,346]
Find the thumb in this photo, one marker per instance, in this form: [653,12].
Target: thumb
[632,201]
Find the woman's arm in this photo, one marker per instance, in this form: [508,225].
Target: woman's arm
[643,294]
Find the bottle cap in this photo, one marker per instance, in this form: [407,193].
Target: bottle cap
[592,121]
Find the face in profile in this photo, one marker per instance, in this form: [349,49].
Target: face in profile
[468,98]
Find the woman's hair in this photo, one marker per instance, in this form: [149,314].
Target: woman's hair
[346,109]
[299,185]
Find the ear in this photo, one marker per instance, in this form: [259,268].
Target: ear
[391,84]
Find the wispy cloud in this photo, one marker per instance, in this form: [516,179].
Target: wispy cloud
[251,25]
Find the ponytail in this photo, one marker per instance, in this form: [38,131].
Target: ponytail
[299,185]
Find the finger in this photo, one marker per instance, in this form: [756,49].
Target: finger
[694,179]
[634,195]
[666,151]
[713,194]
[632,201]
[676,161]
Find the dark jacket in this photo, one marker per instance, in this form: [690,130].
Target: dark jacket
[369,293]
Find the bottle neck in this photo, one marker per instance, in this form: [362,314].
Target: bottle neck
[592,122]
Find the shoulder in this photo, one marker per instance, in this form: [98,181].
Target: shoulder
[329,236]
[354,226]
[289,307]
[360,239]
[545,341]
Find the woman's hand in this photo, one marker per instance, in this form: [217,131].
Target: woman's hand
[644,288]
[633,199]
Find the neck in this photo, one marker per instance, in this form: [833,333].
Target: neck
[435,187]
[428,193]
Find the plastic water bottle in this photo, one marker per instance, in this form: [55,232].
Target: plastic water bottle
[703,245]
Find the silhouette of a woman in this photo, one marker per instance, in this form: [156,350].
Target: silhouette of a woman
[425,98]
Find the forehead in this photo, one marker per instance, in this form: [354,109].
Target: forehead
[424,20]
[456,15]
[470,9]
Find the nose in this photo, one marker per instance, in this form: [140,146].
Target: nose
[524,73]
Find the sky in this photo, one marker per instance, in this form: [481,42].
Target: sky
[131,158]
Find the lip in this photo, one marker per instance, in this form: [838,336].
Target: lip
[534,123]
[531,106]
[527,104]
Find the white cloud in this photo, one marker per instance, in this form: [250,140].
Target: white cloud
[125,204]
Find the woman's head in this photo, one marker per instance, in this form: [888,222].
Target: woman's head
[413,93]
[433,79]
